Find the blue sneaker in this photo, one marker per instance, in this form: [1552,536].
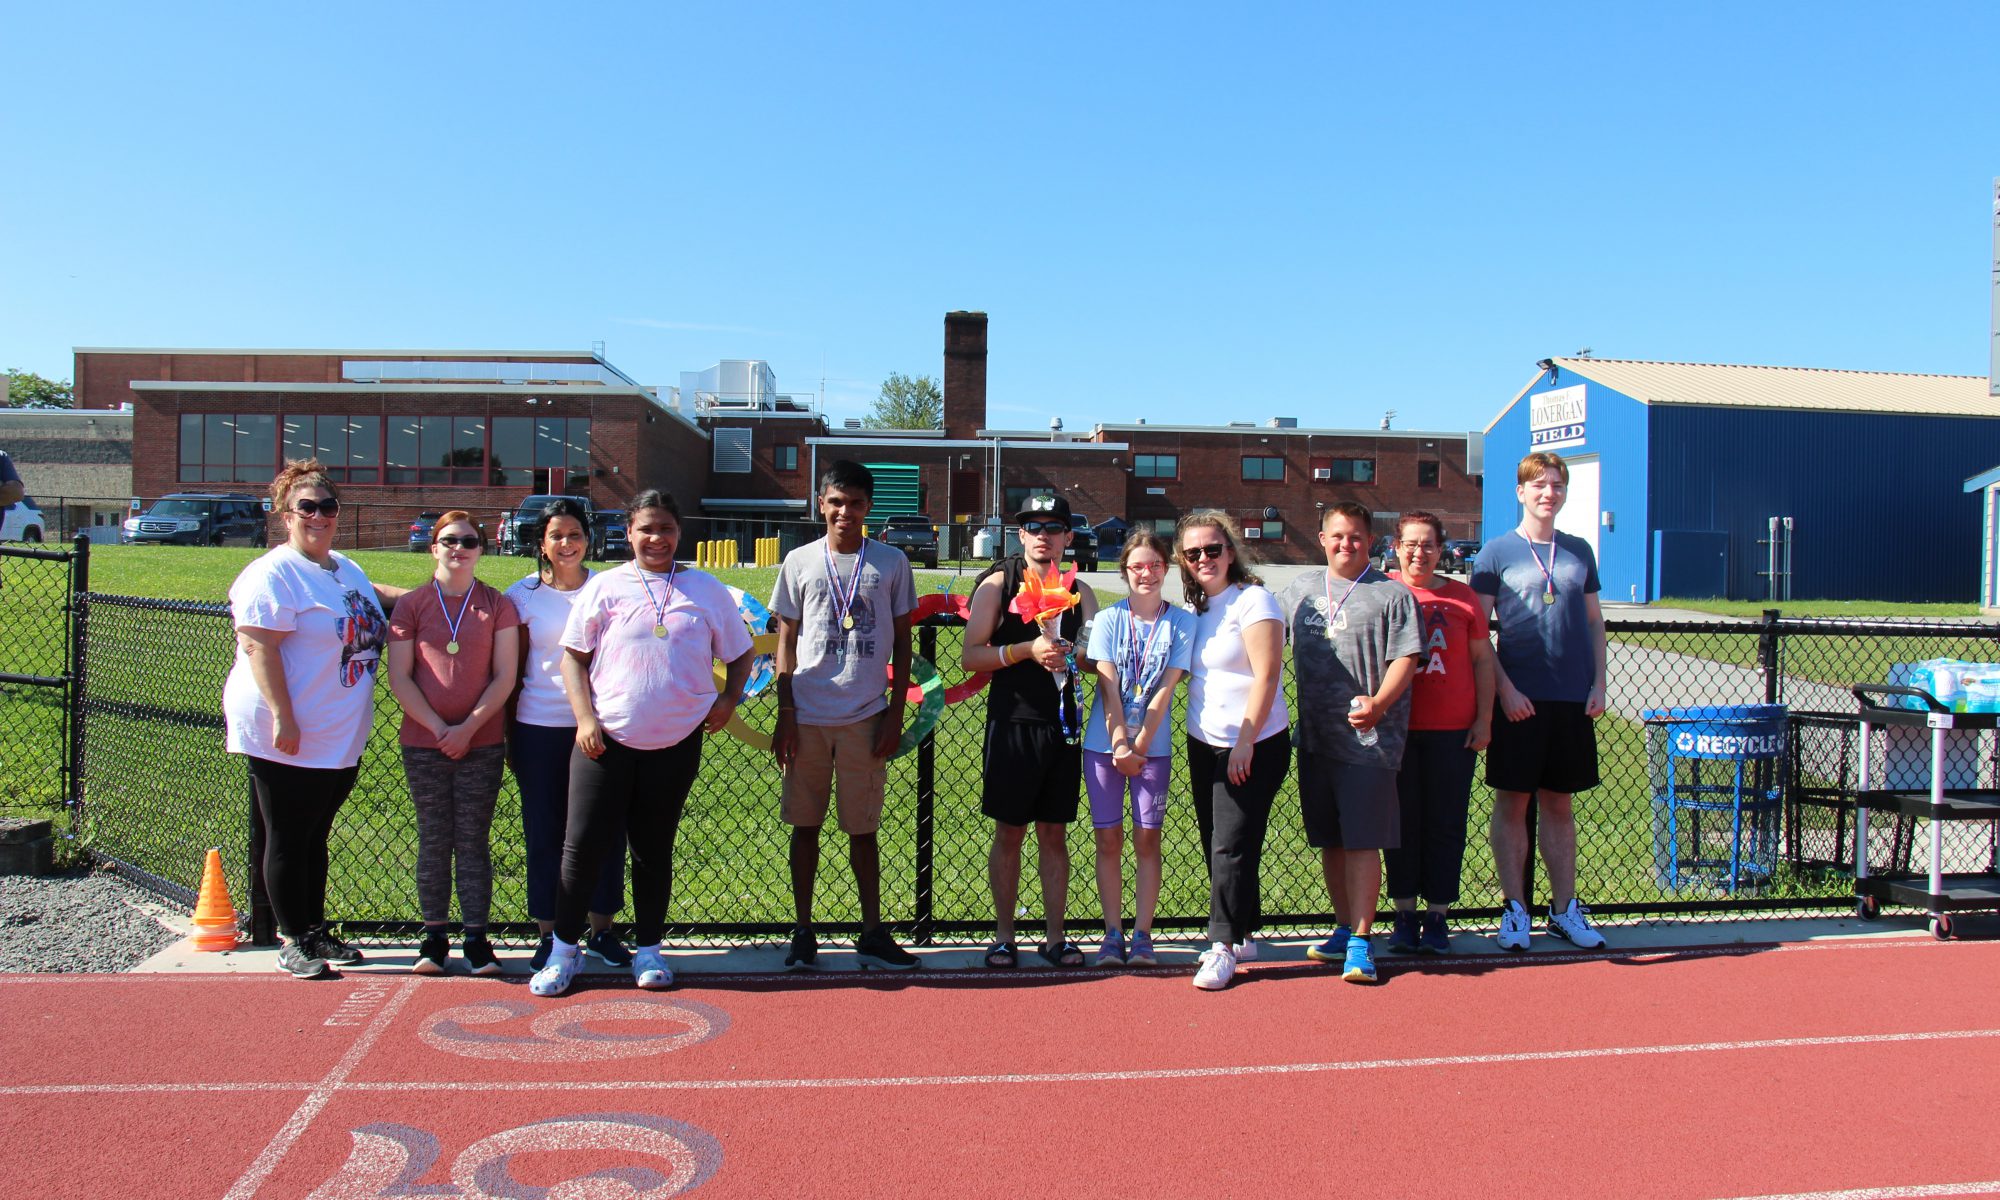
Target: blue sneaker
[1403,938]
[1333,949]
[1437,936]
[1360,962]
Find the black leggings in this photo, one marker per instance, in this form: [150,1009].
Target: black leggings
[1233,818]
[639,793]
[298,806]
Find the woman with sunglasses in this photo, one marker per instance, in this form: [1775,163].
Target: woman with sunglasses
[300,701]
[639,658]
[1142,646]
[453,656]
[543,733]
[1238,731]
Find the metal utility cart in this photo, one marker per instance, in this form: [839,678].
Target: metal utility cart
[1939,893]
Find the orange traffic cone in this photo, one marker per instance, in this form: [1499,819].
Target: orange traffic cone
[214,918]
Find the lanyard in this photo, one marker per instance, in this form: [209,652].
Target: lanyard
[1137,651]
[1548,572]
[843,599]
[1332,609]
[659,606]
[452,623]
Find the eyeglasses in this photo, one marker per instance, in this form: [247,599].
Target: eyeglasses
[316,508]
[1418,547]
[1193,554]
[463,541]
[1144,568]
[1040,527]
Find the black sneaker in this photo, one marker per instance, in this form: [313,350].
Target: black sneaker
[540,958]
[324,943]
[804,954]
[301,962]
[604,946]
[878,948]
[431,954]
[479,955]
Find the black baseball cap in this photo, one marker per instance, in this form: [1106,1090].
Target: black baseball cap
[1042,508]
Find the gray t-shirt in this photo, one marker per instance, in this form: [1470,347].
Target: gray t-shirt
[1545,648]
[1376,624]
[842,674]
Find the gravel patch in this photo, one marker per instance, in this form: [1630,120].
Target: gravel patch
[78,921]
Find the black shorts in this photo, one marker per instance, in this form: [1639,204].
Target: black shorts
[1032,774]
[1555,750]
[1348,806]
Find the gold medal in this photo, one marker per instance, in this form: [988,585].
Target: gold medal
[847,622]
[659,631]
[451,647]
[1548,597]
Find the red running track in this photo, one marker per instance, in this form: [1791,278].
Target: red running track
[1857,1069]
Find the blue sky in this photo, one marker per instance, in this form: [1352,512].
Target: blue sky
[1185,213]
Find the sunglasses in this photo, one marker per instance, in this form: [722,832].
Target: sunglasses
[463,541]
[1044,527]
[316,508]
[1193,554]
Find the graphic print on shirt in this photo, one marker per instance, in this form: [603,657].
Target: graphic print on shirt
[1434,639]
[363,632]
[836,641]
[1318,607]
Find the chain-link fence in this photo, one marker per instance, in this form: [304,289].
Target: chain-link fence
[159,790]
[37,633]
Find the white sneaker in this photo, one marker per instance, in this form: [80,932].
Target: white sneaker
[1218,963]
[1246,950]
[554,979]
[1573,926]
[1515,926]
[650,970]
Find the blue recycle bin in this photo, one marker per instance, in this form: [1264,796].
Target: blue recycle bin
[1718,793]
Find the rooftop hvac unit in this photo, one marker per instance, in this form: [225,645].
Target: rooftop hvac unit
[1284,423]
[1323,474]
[851,423]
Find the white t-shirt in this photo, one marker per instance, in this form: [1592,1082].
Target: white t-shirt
[544,613]
[652,692]
[1219,685]
[335,634]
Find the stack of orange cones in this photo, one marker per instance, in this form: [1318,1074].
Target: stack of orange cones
[214,918]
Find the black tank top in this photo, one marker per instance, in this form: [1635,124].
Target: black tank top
[1026,691]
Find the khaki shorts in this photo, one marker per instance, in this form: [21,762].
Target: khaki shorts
[845,752]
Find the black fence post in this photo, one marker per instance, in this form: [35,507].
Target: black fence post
[79,587]
[926,913]
[1767,655]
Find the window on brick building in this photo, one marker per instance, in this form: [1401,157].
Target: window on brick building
[785,458]
[1261,467]
[1427,474]
[1343,470]
[228,447]
[1274,531]
[1156,466]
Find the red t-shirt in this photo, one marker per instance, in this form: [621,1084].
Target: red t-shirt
[1442,696]
[451,683]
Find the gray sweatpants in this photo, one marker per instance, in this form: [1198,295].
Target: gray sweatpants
[454,801]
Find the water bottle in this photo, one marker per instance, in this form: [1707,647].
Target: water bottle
[1368,737]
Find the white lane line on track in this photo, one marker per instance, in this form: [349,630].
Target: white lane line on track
[1990,1187]
[318,1098]
[325,1089]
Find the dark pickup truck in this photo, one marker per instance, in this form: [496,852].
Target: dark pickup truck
[916,537]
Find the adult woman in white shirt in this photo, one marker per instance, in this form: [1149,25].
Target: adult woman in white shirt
[1238,730]
[300,702]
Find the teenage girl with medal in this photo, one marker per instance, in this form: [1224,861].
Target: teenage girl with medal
[1142,647]
[454,654]
[639,666]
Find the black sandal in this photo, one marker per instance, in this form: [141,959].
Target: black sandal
[1065,955]
[1002,955]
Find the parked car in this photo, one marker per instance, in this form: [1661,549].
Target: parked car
[608,531]
[1458,554]
[517,525]
[420,530]
[23,522]
[201,519]
[1384,553]
[915,536]
[1082,543]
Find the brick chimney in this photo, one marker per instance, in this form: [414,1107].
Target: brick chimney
[964,373]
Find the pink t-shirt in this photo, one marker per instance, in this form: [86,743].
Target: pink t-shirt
[652,692]
[1442,697]
[451,683]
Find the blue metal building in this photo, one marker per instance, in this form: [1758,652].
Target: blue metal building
[1700,479]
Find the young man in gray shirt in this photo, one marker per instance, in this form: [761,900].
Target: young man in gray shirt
[1356,635]
[843,605]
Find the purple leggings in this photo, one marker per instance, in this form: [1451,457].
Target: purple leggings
[1107,791]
